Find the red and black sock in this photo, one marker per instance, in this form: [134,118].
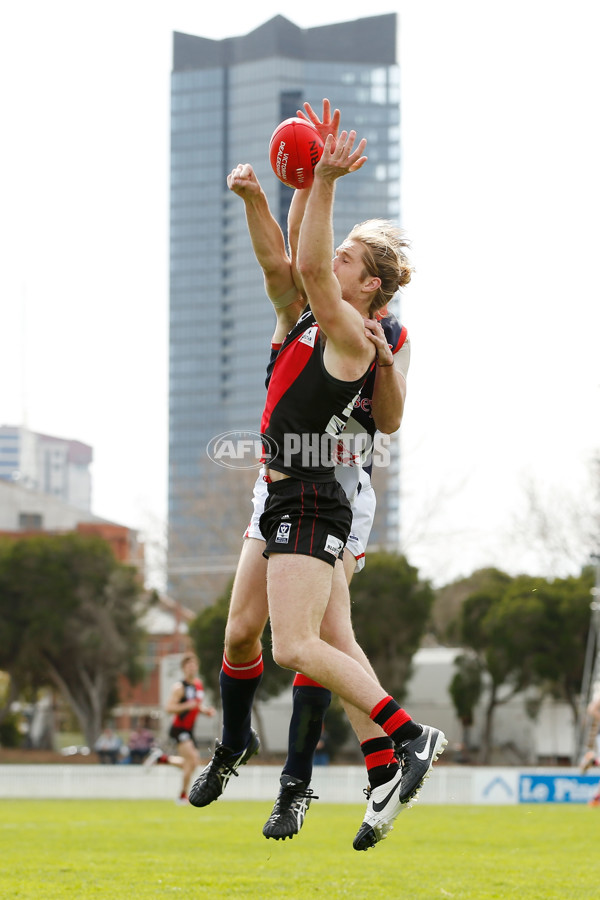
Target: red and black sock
[380,760]
[395,721]
[238,682]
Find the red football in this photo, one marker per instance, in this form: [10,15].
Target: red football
[294,151]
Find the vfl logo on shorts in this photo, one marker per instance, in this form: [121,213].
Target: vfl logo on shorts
[333,545]
[283,533]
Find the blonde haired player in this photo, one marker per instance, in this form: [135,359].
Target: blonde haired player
[242,665]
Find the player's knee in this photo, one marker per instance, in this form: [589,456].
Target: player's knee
[287,655]
[241,638]
[285,659]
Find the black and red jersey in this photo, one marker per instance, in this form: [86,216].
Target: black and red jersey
[306,407]
[363,423]
[192,690]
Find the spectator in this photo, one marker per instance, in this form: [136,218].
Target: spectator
[108,747]
[140,743]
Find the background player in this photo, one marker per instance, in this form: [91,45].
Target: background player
[185,704]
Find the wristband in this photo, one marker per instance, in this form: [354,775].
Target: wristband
[287,299]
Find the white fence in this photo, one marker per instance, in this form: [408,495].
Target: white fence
[332,784]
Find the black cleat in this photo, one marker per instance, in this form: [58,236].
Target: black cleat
[417,756]
[290,809]
[212,781]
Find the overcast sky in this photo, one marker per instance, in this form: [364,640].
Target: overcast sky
[500,195]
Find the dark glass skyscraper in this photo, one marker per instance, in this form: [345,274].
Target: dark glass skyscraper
[227,98]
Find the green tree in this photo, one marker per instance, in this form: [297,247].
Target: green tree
[445,615]
[476,632]
[565,665]
[528,632]
[465,690]
[207,632]
[69,617]
[543,626]
[390,612]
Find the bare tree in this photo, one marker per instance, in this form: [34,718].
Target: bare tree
[561,528]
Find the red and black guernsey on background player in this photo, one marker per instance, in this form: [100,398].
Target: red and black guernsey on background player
[184,722]
[306,407]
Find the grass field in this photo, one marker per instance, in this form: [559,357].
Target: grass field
[150,849]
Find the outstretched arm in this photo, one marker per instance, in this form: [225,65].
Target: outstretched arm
[326,125]
[269,248]
[295,216]
[340,322]
[267,240]
[206,710]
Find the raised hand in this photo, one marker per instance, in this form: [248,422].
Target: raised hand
[339,158]
[328,124]
[242,180]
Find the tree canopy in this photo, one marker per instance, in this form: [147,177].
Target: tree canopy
[390,612]
[527,633]
[69,617]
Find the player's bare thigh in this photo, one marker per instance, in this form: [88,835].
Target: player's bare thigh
[248,609]
[299,588]
[189,752]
